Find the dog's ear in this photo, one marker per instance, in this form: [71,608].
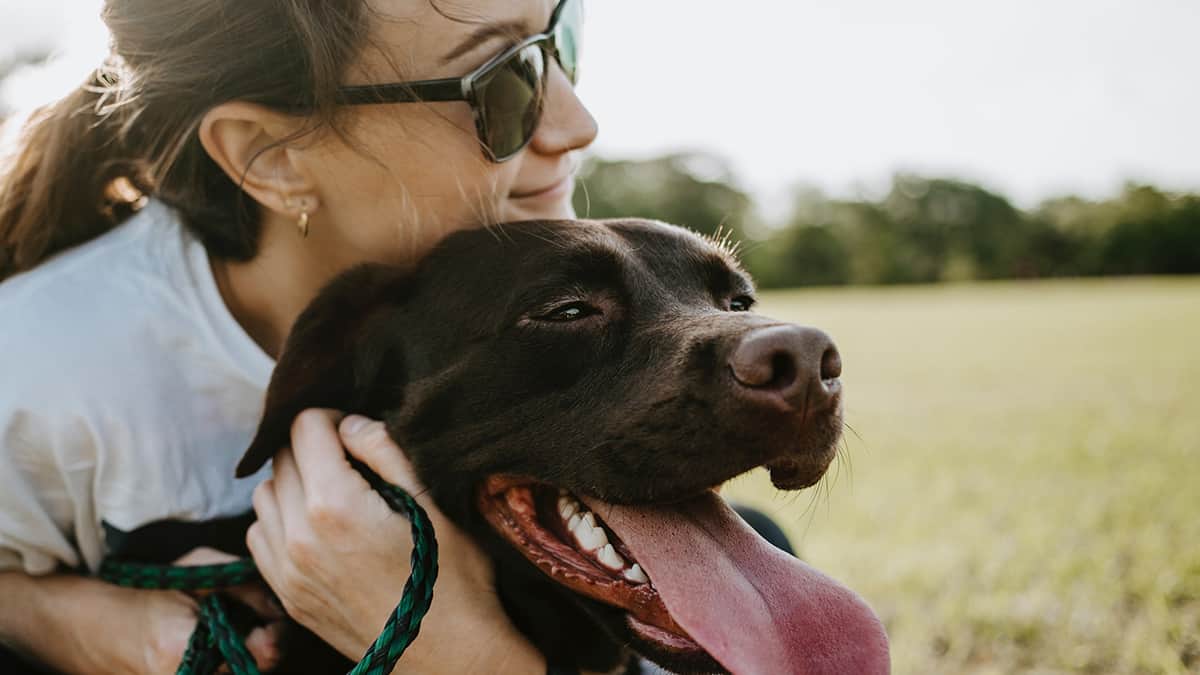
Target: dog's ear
[343,352]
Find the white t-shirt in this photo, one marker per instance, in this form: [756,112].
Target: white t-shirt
[128,393]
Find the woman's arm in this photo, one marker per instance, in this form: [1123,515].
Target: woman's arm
[81,625]
[338,557]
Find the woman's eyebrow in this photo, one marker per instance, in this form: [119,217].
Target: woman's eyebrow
[485,33]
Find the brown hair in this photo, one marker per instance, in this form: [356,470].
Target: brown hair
[82,163]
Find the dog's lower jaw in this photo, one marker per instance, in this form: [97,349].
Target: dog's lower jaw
[570,630]
[552,619]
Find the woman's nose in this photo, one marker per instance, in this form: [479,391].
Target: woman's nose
[566,124]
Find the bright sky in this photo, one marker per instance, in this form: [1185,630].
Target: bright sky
[1031,97]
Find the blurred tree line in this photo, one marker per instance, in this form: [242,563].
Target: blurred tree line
[923,230]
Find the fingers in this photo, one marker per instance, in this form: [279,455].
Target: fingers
[263,645]
[270,520]
[266,537]
[257,598]
[204,556]
[369,441]
[291,499]
[318,450]
[267,557]
[254,596]
[316,446]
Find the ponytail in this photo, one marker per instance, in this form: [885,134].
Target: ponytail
[71,176]
[83,164]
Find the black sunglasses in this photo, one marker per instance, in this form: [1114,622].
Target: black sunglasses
[507,94]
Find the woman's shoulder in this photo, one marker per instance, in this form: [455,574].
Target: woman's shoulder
[86,314]
[137,245]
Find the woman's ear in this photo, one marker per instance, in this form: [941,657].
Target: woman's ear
[254,146]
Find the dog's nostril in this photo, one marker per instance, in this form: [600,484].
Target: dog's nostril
[831,364]
[783,371]
[767,359]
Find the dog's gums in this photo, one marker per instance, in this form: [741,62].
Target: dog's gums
[570,544]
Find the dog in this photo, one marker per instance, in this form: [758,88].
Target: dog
[573,392]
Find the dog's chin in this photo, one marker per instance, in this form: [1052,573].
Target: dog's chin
[591,561]
[806,463]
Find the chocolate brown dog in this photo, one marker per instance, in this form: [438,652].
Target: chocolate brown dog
[571,392]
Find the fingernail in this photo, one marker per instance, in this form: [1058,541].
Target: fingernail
[354,424]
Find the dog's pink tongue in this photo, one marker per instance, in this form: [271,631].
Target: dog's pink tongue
[754,608]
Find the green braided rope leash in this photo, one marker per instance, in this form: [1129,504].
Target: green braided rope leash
[215,642]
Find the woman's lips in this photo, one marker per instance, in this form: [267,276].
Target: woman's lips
[557,189]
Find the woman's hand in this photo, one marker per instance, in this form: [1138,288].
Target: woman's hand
[172,632]
[338,556]
[169,618]
[166,620]
[76,624]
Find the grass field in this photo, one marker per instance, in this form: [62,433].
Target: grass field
[1023,493]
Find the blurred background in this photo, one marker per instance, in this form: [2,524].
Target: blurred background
[994,208]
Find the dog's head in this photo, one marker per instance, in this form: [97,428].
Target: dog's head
[571,392]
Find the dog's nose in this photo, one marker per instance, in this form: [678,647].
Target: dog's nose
[793,366]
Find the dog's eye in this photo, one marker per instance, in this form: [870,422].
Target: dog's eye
[572,311]
[741,303]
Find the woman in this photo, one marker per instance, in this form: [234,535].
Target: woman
[139,335]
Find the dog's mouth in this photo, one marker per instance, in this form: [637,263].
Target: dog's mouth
[698,586]
[569,543]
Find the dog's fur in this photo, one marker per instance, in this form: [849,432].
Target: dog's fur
[630,401]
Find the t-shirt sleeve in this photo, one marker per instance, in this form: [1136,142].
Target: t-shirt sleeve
[37,509]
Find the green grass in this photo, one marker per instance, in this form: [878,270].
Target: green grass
[1022,494]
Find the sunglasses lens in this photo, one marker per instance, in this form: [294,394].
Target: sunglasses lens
[510,101]
[567,34]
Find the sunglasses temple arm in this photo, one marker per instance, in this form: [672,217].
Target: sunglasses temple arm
[429,90]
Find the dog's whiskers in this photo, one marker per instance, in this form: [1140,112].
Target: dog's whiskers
[846,425]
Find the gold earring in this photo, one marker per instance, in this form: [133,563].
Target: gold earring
[302,224]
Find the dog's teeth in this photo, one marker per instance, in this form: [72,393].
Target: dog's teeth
[591,540]
[609,557]
[636,575]
[589,536]
[567,507]
[578,524]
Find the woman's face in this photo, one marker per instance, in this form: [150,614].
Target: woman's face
[408,173]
